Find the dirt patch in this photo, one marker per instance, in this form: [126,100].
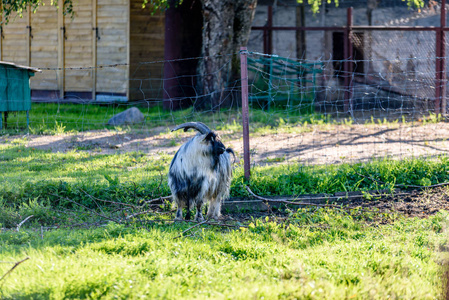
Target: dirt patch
[314,145]
[410,203]
[413,203]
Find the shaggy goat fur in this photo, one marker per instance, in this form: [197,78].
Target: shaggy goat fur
[200,172]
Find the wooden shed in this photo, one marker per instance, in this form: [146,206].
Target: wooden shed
[100,53]
[15,89]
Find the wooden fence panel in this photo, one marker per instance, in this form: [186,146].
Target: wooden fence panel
[78,49]
[112,47]
[16,37]
[44,47]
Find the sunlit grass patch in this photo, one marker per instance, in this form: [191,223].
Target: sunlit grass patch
[330,256]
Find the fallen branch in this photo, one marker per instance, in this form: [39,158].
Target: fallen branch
[294,201]
[21,223]
[157,199]
[422,186]
[190,228]
[139,213]
[13,267]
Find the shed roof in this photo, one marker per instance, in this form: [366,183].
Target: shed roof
[35,70]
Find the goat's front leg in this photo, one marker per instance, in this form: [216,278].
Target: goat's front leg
[179,214]
[180,204]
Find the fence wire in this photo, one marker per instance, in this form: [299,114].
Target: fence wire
[301,111]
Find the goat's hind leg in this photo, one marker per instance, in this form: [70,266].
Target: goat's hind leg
[199,216]
[214,209]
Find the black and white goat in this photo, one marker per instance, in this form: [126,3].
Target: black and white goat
[200,172]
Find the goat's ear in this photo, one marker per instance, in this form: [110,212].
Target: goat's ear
[209,136]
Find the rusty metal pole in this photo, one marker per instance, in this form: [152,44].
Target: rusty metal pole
[347,66]
[245,110]
[443,58]
[438,54]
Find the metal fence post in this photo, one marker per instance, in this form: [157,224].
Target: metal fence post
[443,58]
[437,71]
[440,64]
[245,109]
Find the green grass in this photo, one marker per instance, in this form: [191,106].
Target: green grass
[319,255]
[33,180]
[315,254]
[53,119]
[50,118]
[28,173]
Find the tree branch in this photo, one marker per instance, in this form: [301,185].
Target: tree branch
[21,223]
[13,267]
[287,201]
[190,228]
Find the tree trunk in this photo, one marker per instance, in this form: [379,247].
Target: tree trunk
[226,28]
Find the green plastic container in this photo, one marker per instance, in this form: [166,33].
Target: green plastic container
[15,93]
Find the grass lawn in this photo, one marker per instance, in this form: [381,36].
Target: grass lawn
[52,118]
[27,173]
[315,253]
[321,254]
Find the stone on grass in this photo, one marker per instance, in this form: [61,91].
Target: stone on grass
[129,116]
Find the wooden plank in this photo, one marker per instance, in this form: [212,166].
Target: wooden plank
[14,44]
[94,48]
[78,48]
[112,20]
[44,47]
[61,41]
[128,48]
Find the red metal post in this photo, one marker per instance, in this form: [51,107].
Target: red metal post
[443,58]
[245,110]
[440,66]
[347,66]
[437,72]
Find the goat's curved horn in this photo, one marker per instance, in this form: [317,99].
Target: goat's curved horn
[201,127]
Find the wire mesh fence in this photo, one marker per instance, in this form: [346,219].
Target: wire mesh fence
[301,111]
[389,114]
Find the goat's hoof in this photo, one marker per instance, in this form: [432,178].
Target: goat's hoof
[215,217]
[199,219]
